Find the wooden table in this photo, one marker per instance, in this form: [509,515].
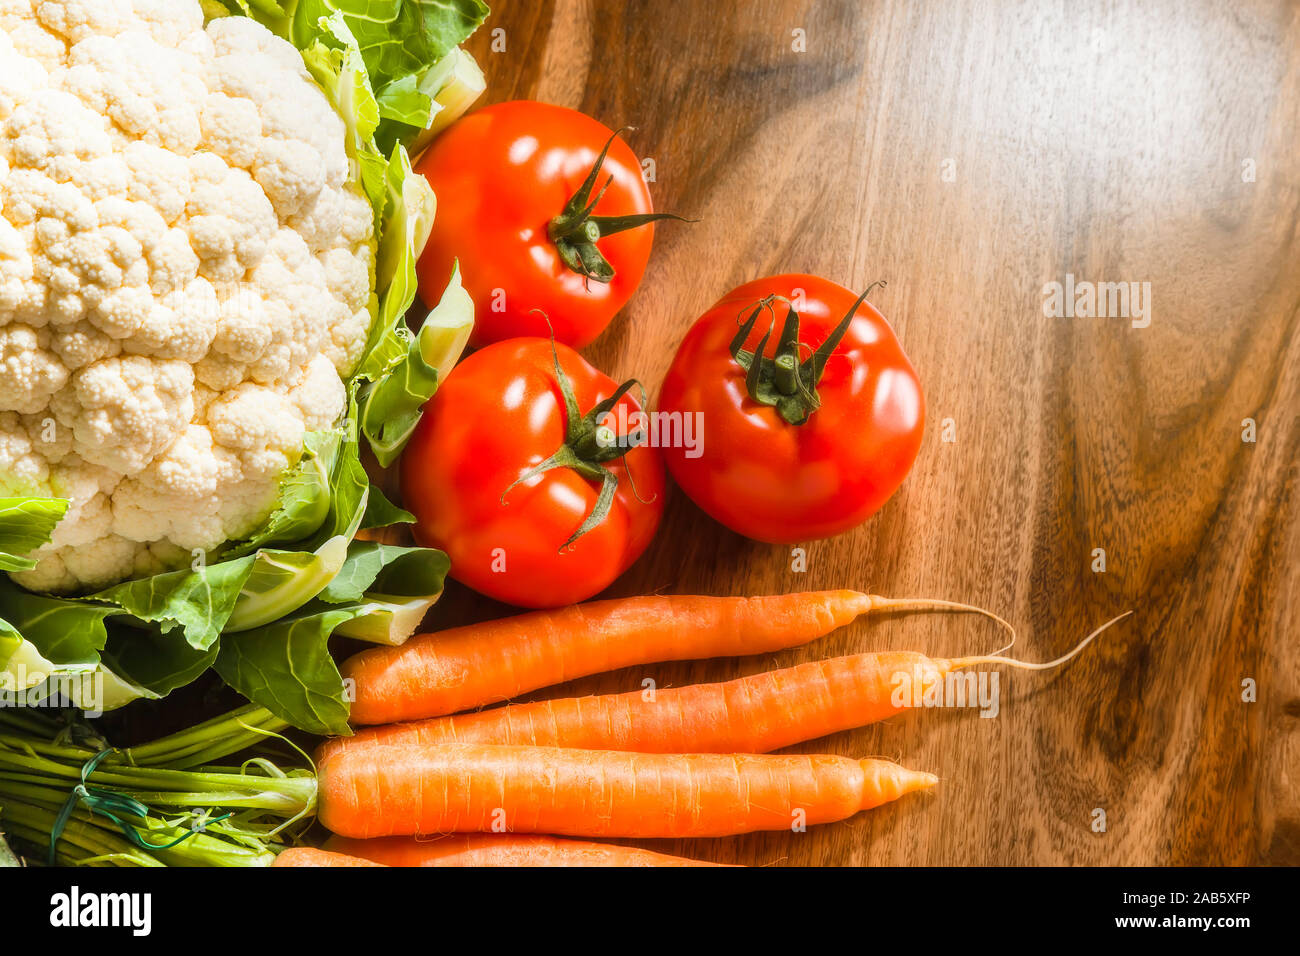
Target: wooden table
[970,153]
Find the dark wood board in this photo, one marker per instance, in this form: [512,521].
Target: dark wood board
[969,153]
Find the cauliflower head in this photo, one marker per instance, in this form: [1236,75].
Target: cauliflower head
[186,275]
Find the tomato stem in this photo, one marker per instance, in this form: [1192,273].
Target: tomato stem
[575,231]
[783,380]
[786,373]
[587,446]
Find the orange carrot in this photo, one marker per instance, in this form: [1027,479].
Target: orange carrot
[308,856]
[501,849]
[468,667]
[755,714]
[412,790]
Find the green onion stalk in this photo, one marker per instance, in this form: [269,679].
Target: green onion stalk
[78,801]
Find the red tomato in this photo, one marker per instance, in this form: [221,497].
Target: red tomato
[775,481]
[502,175]
[500,413]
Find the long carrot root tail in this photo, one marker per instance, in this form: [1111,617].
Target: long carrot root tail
[1037,665]
[904,605]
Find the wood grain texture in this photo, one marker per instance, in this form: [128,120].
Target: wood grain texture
[1106,140]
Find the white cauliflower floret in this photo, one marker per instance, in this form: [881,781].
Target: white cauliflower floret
[81,344]
[232,127]
[125,411]
[28,36]
[24,469]
[319,397]
[190,475]
[20,76]
[185,277]
[76,21]
[49,575]
[56,133]
[261,425]
[29,372]
[159,179]
[92,566]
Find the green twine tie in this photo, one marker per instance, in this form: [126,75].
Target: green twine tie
[112,805]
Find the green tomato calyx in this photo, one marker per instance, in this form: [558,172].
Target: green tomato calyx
[785,381]
[575,231]
[588,446]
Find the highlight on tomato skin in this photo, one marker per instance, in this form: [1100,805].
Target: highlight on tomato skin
[504,176]
[757,471]
[471,477]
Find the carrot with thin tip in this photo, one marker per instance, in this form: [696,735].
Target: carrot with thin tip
[754,714]
[309,856]
[468,667]
[502,849]
[413,790]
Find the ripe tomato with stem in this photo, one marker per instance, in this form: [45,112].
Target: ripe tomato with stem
[547,212]
[517,473]
[810,413]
